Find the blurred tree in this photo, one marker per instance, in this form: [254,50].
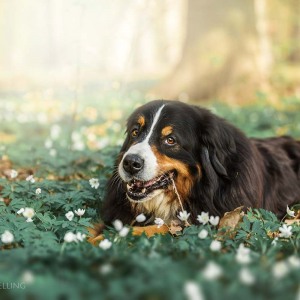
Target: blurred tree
[226,52]
[295,31]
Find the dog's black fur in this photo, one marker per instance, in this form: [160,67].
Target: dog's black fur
[235,170]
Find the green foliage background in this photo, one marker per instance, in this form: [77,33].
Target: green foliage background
[134,267]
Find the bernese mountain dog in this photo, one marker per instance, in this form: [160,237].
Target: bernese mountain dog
[178,156]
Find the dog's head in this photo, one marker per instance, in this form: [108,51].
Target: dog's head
[169,144]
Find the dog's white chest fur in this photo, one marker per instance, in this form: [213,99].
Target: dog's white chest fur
[160,206]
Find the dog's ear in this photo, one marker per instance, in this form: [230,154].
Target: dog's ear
[211,163]
[217,141]
[219,168]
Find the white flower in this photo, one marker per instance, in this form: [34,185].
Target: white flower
[118,225]
[7,237]
[94,182]
[246,276]
[30,179]
[294,261]
[52,152]
[212,271]
[105,244]
[69,215]
[78,145]
[285,231]
[28,213]
[214,220]
[79,212]
[20,211]
[105,269]
[28,277]
[124,231]
[70,237]
[203,218]
[243,254]
[38,191]
[159,222]
[80,236]
[48,144]
[183,215]
[274,242]
[55,131]
[13,174]
[203,234]
[193,291]
[280,269]
[140,218]
[290,212]
[215,246]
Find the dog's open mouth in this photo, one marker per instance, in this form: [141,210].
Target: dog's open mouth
[138,190]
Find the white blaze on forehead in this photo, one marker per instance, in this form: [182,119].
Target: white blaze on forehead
[144,150]
[156,117]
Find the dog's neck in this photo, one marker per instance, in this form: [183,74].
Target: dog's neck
[162,206]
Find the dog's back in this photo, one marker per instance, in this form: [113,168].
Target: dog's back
[281,171]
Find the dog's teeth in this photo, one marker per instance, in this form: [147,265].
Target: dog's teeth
[143,191]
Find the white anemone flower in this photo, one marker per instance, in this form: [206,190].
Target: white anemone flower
[203,218]
[7,237]
[290,212]
[183,215]
[285,231]
[203,234]
[140,218]
[215,246]
[246,277]
[30,179]
[124,231]
[94,183]
[193,291]
[294,261]
[212,271]
[280,269]
[214,220]
[20,211]
[79,212]
[80,236]
[159,222]
[13,174]
[28,213]
[243,254]
[105,244]
[38,191]
[69,215]
[70,237]
[118,224]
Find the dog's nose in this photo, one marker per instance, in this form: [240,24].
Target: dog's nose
[133,163]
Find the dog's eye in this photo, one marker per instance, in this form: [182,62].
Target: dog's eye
[170,141]
[134,132]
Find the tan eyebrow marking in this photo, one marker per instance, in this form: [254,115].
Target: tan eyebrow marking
[141,121]
[167,130]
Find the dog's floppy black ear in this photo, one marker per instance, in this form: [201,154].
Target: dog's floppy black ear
[219,168]
[212,163]
[217,138]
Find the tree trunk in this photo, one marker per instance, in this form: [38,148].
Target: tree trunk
[220,53]
[294,56]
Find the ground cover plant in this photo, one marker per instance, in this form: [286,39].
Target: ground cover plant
[54,166]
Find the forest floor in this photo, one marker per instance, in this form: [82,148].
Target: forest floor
[50,150]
